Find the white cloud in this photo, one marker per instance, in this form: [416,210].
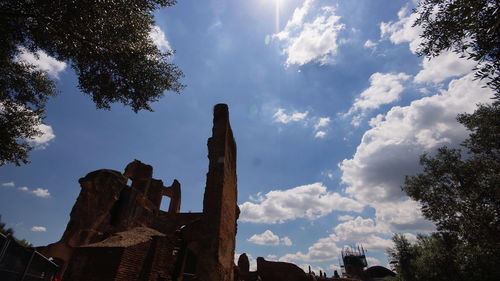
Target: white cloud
[447,64]
[319,125]
[310,201]
[286,241]
[375,121]
[345,218]
[47,133]
[42,141]
[369,44]
[384,88]
[267,238]
[271,257]
[281,117]
[376,243]
[40,192]
[298,16]
[325,249]
[372,261]
[403,215]
[402,30]
[313,40]
[391,149]
[41,61]
[159,39]
[39,229]
[322,122]
[360,231]
[320,134]
[424,91]
[8,184]
[412,238]
[296,21]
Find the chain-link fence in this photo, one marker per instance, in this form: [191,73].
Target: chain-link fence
[18,263]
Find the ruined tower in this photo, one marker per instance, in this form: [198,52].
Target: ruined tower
[118,232]
[219,202]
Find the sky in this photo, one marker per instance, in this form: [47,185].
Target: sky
[330,107]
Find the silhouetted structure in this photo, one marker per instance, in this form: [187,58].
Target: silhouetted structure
[118,232]
[279,271]
[378,273]
[19,263]
[354,261]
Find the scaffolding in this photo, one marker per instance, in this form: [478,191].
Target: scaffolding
[353,259]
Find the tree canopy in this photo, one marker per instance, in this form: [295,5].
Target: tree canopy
[460,192]
[10,232]
[107,44]
[459,189]
[470,28]
[441,257]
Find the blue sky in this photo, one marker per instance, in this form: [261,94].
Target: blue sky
[329,104]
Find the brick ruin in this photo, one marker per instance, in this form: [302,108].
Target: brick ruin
[118,232]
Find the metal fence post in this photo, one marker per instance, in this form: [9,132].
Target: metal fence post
[5,246]
[28,265]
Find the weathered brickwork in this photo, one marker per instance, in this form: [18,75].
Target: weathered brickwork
[118,232]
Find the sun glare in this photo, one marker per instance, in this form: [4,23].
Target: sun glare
[277,4]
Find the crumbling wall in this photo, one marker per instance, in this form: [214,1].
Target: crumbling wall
[103,230]
[219,202]
[128,255]
[91,215]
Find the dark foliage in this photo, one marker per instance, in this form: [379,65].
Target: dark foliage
[461,194]
[105,41]
[441,257]
[430,258]
[470,28]
[10,232]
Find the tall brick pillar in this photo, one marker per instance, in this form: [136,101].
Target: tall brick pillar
[219,203]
